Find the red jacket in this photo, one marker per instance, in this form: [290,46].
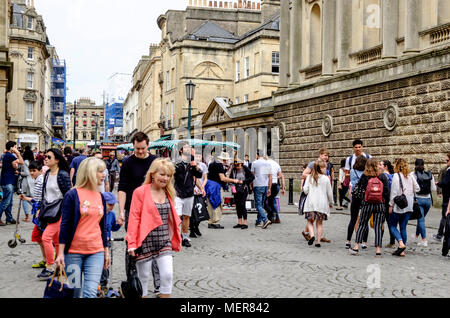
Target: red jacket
[144,217]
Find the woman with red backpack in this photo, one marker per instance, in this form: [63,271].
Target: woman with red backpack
[376,193]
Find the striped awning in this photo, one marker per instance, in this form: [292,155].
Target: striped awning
[171,144]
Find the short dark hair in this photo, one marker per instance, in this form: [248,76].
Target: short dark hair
[67,151]
[357,142]
[35,165]
[10,144]
[140,137]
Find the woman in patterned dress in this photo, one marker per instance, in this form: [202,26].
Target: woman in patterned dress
[153,227]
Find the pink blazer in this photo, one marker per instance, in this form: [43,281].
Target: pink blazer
[144,217]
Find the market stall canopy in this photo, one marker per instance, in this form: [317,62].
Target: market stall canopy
[170,144]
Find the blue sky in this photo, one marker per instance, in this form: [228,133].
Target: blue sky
[99,38]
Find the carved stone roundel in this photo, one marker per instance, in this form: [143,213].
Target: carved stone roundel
[390,117]
[327,125]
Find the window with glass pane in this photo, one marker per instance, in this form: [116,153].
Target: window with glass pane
[247,67]
[30,79]
[245,98]
[275,62]
[29,111]
[236,101]
[167,80]
[30,23]
[238,71]
[84,136]
[30,53]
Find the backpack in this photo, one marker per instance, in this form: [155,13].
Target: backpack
[374,191]
[350,159]
[424,181]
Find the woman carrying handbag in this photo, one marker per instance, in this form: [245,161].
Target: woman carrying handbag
[56,185]
[240,191]
[153,226]
[83,246]
[401,203]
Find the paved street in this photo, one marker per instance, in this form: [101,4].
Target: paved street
[257,263]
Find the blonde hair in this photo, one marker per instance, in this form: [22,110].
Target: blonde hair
[316,171]
[372,169]
[167,167]
[87,172]
[402,166]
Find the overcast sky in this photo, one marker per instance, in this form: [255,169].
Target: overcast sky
[99,38]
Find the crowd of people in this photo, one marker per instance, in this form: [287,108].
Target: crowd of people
[69,198]
[380,193]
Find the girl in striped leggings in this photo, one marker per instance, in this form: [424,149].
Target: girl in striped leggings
[367,208]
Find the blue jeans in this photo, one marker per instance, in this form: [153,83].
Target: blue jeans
[7,203]
[424,205]
[91,266]
[260,194]
[402,219]
[26,206]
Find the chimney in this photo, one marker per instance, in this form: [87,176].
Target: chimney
[269,8]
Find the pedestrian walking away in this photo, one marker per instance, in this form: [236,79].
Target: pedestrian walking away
[55,185]
[261,187]
[403,182]
[319,200]
[444,187]
[343,186]
[113,167]
[355,175]
[76,163]
[427,185]
[83,245]
[376,193]
[186,170]
[198,193]
[26,182]
[153,229]
[10,162]
[270,205]
[240,191]
[388,170]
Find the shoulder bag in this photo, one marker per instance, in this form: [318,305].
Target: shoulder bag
[132,287]
[302,201]
[400,200]
[358,191]
[49,212]
[417,213]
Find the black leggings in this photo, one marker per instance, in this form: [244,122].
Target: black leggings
[342,193]
[354,212]
[239,200]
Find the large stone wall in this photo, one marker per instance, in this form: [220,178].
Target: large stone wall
[422,129]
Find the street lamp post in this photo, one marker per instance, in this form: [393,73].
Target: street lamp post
[190,91]
[96,125]
[74,125]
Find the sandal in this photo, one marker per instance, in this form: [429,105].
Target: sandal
[378,255]
[398,251]
[317,245]
[311,240]
[348,246]
[354,251]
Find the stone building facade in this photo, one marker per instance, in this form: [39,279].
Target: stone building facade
[88,117]
[377,70]
[230,52]
[28,51]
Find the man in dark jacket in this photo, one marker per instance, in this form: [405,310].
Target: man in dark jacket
[113,166]
[444,185]
[185,171]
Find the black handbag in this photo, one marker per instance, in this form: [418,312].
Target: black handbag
[301,203]
[57,288]
[400,200]
[199,210]
[132,287]
[50,212]
[417,213]
[358,191]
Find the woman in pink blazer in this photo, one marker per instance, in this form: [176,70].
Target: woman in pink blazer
[153,226]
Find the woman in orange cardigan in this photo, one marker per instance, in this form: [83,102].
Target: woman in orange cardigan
[153,226]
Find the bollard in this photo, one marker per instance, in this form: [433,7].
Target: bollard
[291,191]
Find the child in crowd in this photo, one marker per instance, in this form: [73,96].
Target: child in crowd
[111,225]
[36,236]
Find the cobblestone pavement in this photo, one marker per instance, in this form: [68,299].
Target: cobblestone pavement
[271,263]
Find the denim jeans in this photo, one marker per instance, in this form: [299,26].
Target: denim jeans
[271,204]
[26,206]
[402,219]
[91,267]
[260,194]
[7,203]
[424,205]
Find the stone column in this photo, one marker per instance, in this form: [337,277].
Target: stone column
[295,54]
[443,11]
[390,28]
[328,36]
[284,44]
[344,27]
[412,26]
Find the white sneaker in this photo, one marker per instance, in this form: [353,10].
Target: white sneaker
[424,244]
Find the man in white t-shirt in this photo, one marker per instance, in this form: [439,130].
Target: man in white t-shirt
[262,170]
[357,151]
[271,206]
